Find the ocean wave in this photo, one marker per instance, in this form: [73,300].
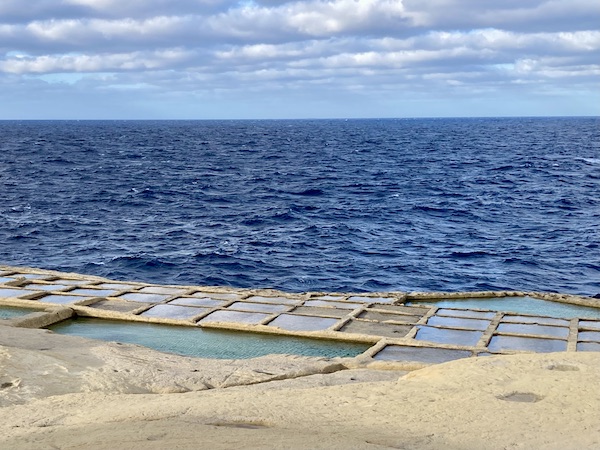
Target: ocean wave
[322,205]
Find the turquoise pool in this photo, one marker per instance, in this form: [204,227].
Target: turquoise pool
[9,312]
[198,342]
[521,305]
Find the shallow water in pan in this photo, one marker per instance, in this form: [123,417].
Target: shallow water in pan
[203,343]
[8,312]
[521,305]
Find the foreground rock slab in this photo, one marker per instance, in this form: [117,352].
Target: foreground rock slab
[38,363]
[79,394]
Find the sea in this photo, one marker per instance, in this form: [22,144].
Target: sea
[308,205]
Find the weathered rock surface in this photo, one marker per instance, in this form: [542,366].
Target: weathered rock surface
[73,393]
[38,363]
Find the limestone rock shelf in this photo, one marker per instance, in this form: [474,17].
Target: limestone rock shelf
[402,328]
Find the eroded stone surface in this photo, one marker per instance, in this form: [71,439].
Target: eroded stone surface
[39,364]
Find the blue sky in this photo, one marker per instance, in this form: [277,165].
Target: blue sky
[213,59]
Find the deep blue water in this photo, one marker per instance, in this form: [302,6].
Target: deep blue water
[332,205]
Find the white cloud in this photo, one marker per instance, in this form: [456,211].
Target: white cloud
[137,61]
[202,46]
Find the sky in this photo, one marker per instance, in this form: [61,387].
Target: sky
[276,59]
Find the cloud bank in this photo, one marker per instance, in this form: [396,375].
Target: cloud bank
[312,58]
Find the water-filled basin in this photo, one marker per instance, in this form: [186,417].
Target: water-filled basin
[9,312]
[521,305]
[194,341]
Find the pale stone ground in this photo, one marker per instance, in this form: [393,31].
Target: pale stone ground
[62,392]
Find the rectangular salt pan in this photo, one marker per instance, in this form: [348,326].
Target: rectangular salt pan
[542,330]
[402,309]
[588,347]
[62,299]
[592,324]
[518,305]
[71,282]
[204,302]
[459,322]
[593,336]
[9,312]
[316,311]
[144,298]
[327,304]
[364,299]
[162,290]
[358,326]
[116,305]
[277,300]
[258,307]
[448,336]
[420,354]
[94,292]
[174,312]
[536,320]
[235,317]
[499,343]
[118,286]
[30,276]
[48,287]
[8,292]
[302,323]
[468,313]
[205,343]
[388,317]
[217,295]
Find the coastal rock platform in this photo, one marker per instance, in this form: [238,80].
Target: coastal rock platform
[432,377]
[401,328]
